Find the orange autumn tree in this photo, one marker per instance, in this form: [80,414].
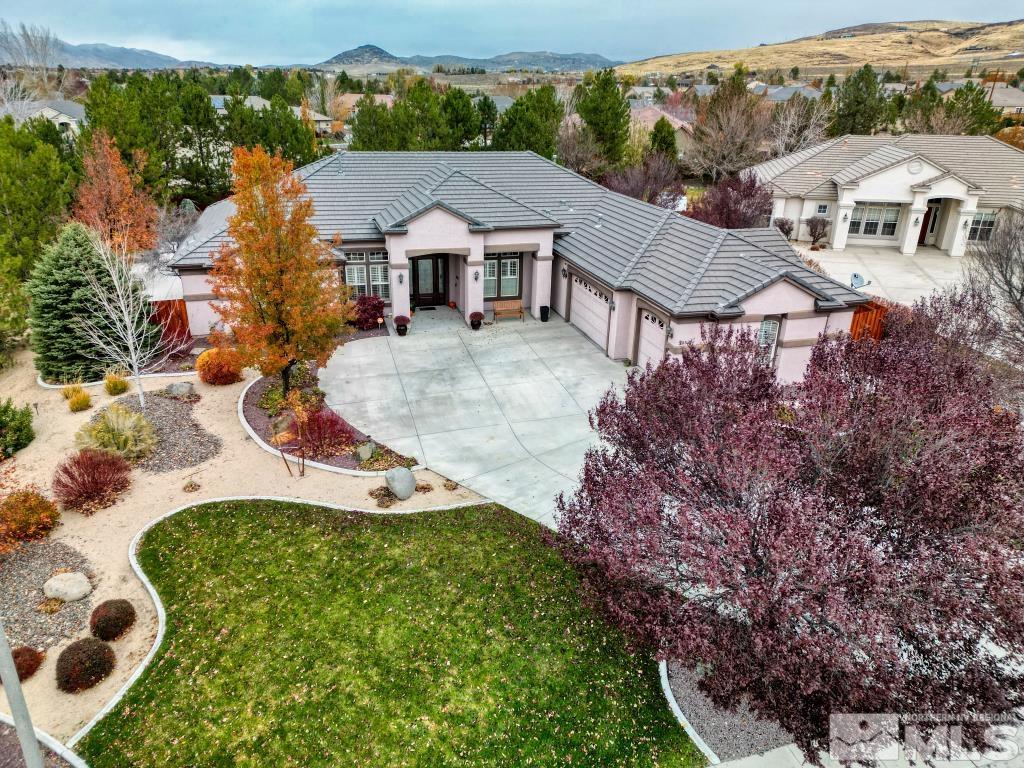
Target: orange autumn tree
[280,294]
[111,200]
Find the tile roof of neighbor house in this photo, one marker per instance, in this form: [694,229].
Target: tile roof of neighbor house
[647,116]
[994,168]
[683,265]
[501,102]
[219,102]
[348,100]
[72,109]
[1004,95]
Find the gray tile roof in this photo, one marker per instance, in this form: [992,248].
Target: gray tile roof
[994,168]
[680,264]
[70,108]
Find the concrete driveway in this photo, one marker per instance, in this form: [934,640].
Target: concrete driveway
[502,410]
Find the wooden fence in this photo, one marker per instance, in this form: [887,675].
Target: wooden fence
[868,320]
[173,316]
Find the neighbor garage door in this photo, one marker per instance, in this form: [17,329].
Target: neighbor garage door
[650,343]
[588,310]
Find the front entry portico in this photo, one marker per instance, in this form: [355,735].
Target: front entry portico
[429,280]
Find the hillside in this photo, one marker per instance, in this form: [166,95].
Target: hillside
[916,44]
[103,56]
[371,59]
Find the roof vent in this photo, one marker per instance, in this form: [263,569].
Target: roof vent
[600,218]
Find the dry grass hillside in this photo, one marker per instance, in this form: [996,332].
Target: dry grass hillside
[915,44]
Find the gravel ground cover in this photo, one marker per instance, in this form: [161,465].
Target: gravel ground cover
[181,440]
[10,751]
[301,636]
[731,735]
[22,575]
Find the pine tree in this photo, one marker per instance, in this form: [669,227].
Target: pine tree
[488,112]
[372,126]
[204,166]
[606,112]
[663,138]
[860,104]
[531,123]
[461,116]
[60,298]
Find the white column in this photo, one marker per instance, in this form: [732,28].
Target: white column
[399,277]
[841,226]
[474,281]
[958,243]
[540,287]
[912,231]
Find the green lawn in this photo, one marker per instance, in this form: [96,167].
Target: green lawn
[301,637]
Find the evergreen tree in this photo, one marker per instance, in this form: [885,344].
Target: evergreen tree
[461,117]
[971,101]
[488,112]
[663,138]
[606,113]
[35,189]
[531,123]
[276,128]
[60,299]
[203,166]
[421,112]
[860,104]
[372,128]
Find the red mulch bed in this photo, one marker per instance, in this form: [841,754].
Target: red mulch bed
[261,423]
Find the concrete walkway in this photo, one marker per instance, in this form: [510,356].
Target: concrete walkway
[502,410]
[892,275]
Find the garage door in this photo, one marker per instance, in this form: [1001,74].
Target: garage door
[588,310]
[650,346]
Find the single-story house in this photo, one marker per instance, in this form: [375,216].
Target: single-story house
[898,191]
[1008,99]
[647,116]
[429,229]
[321,123]
[501,102]
[782,93]
[68,116]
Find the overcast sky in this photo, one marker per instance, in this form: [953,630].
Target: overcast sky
[309,31]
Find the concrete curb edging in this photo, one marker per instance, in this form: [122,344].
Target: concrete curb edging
[133,548]
[701,744]
[51,744]
[44,385]
[295,459]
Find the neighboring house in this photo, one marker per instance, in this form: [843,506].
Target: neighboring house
[501,102]
[321,123]
[947,89]
[898,191]
[349,100]
[1008,99]
[701,89]
[68,116]
[425,229]
[783,93]
[647,116]
[644,93]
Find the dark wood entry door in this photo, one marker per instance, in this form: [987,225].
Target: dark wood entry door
[429,281]
[924,225]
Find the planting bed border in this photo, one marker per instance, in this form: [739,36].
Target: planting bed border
[46,740]
[295,459]
[45,385]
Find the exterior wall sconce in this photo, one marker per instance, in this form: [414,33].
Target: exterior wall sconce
[476,275]
[965,224]
[671,331]
[401,278]
[846,217]
[565,273]
[611,303]
[917,220]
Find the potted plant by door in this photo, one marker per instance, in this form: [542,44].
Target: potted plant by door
[475,319]
[402,325]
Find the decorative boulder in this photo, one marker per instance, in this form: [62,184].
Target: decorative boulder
[365,451]
[401,481]
[68,587]
[181,389]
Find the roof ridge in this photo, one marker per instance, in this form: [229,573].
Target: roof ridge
[792,257]
[642,248]
[698,275]
[497,191]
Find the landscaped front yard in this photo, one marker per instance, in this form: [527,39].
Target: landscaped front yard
[300,636]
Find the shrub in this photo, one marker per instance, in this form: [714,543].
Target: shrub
[27,514]
[219,365]
[69,391]
[817,226]
[27,661]
[785,226]
[83,664]
[115,384]
[111,619]
[126,433]
[15,428]
[325,433]
[477,316]
[368,309]
[402,320]
[79,402]
[91,480]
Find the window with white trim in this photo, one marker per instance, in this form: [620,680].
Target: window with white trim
[822,209]
[373,279]
[982,226]
[380,283]
[768,339]
[878,220]
[502,273]
[355,278]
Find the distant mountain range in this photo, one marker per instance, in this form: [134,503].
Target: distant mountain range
[103,56]
[371,59]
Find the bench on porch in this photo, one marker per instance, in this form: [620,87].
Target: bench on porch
[509,308]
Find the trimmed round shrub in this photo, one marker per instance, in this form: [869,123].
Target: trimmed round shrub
[219,365]
[368,309]
[120,430]
[111,619]
[80,401]
[27,661]
[15,428]
[83,664]
[27,515]
[91,480]
[115,384]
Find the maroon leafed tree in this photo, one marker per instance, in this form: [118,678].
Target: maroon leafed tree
[736,202]
[852,546]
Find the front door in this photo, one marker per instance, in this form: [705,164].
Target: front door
[429,286]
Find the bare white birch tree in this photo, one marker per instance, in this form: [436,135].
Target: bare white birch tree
[997,262]
[16,99]
[35,50]
[119,323]
[798,124]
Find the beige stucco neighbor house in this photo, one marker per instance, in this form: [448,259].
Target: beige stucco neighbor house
[429,229]
[898,191]
[68,116]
